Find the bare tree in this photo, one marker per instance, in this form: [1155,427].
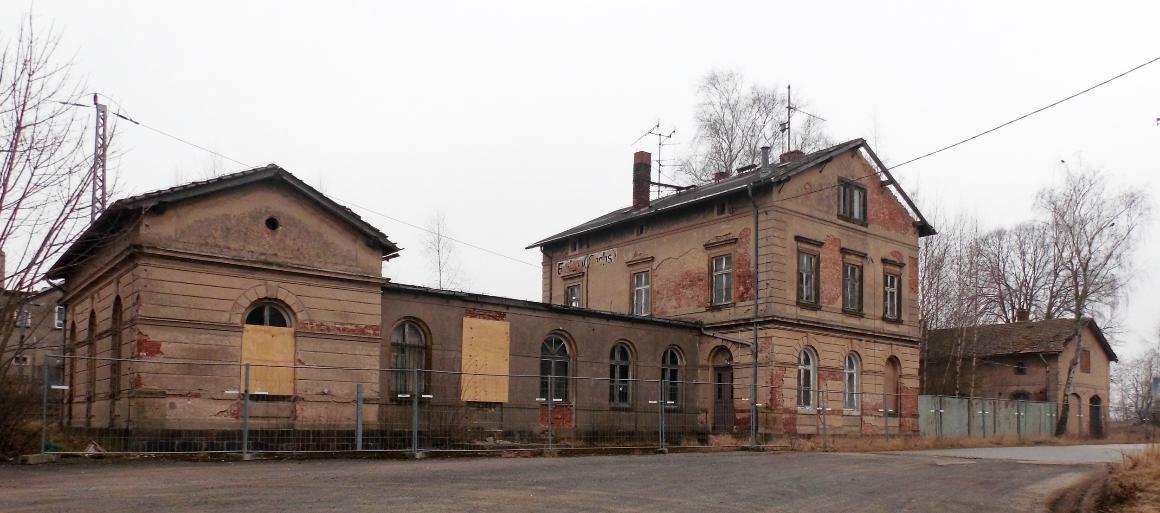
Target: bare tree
[441,252]
[1018,273]
[1132,382]
[45,175]
[1094,230]
[735,119]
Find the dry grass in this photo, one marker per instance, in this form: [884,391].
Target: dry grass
[905,443]
[1134,487]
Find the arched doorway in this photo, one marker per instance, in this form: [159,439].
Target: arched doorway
[115,369]
[724,418]
[268,347]
[1095,417]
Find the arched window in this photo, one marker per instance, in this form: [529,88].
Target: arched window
[115,363]
[268,314]
[554,368]
[671,374]
[620,375]
[408,352]
[852,382]
[807,378]
[893,386]
[91,369]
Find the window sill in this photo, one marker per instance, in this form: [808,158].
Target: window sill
[851,220]
[852,413]
[808,306]
[807,410]
[853,313]
[620,407]
[891,320]
[721,306]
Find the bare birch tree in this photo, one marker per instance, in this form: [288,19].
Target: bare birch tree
[1132,382]
[44,188]
[735,119]
[441,254]
[1018,273]
[1094,230]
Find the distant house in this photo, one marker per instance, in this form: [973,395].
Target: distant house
[1023,361]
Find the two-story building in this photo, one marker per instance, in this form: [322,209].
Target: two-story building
[819,251]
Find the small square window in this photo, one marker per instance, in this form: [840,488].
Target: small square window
[572,296]
[722,207]
[21,360]
[1020,368]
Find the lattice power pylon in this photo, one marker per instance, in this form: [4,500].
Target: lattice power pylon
[100,153]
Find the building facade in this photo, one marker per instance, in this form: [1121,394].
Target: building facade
[820,251]
[1027,361]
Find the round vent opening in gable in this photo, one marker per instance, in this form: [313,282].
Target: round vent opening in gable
[272,223]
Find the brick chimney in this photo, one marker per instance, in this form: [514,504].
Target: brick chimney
[790,156]
[720,175]
[1022,315]
[641,176]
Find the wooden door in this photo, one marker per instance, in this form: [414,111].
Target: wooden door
[723,416]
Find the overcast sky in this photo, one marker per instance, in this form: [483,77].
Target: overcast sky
[517,119]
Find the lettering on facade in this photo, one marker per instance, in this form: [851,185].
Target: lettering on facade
[581,263]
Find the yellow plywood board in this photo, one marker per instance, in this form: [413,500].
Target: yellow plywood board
[486,354]
[264,347]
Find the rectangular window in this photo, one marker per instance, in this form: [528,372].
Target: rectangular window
[58,320]
[641,302]
[572,296]
[1085,361]
[892,296]
[721,208]
[807,287]
[852,202]
[852,288]
[722,280]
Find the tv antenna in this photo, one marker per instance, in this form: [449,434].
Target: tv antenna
[663,139]
[790,108]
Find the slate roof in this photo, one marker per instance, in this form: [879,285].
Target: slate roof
[1031,337]
[125,210]
[735,183]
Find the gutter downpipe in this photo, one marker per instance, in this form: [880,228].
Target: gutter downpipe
[756,292]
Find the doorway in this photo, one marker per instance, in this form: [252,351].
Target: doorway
[1095,417]
[724,419]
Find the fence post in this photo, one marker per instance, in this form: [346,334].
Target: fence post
[44,406]
[246,414]
[358,417]
[885,417]
[661,415]
[550,398]
[415,412]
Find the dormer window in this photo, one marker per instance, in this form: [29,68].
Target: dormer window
[852,202]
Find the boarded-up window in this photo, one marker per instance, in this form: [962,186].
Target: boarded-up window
[1085,361]
[270,352]
[486,352]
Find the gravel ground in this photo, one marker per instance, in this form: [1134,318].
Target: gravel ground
[736,481]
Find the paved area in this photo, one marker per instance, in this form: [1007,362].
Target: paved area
[1073,454]
[738,481]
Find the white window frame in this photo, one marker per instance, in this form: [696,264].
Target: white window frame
[891,288]
[851,383]
[808,286]
[852,293]
[58,317]
[722,280]
[807,382]
[642,293]
[620,375]
[575,301]
[852,202]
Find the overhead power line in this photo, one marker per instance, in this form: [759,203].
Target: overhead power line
[1027,115]
[392,218]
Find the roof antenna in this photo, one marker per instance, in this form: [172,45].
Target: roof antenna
[662,141]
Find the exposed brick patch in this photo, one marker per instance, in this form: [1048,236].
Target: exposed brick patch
[776,393]
[233,412]
[147,347]
[338,328]
[138,381]
[884,210]
[492,315]
[743,267]
[896,256]
[562,416]
[912,274]
[789,423]
[690,290]
[832,271]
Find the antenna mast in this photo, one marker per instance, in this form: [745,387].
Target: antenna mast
[662,141]
[100,152]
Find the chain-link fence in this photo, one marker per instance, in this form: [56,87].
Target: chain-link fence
[161,406]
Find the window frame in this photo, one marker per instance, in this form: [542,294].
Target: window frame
[554,360]
[726,273]
[404,362]
[846,203]
[641,294]
[815,273]
[852,383]
[267,306]
[58,319]
[578,301]
[807,393]
[671,377]
[1020,368]
[1085,361]
[620,376]
[859,308]
[886,300]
